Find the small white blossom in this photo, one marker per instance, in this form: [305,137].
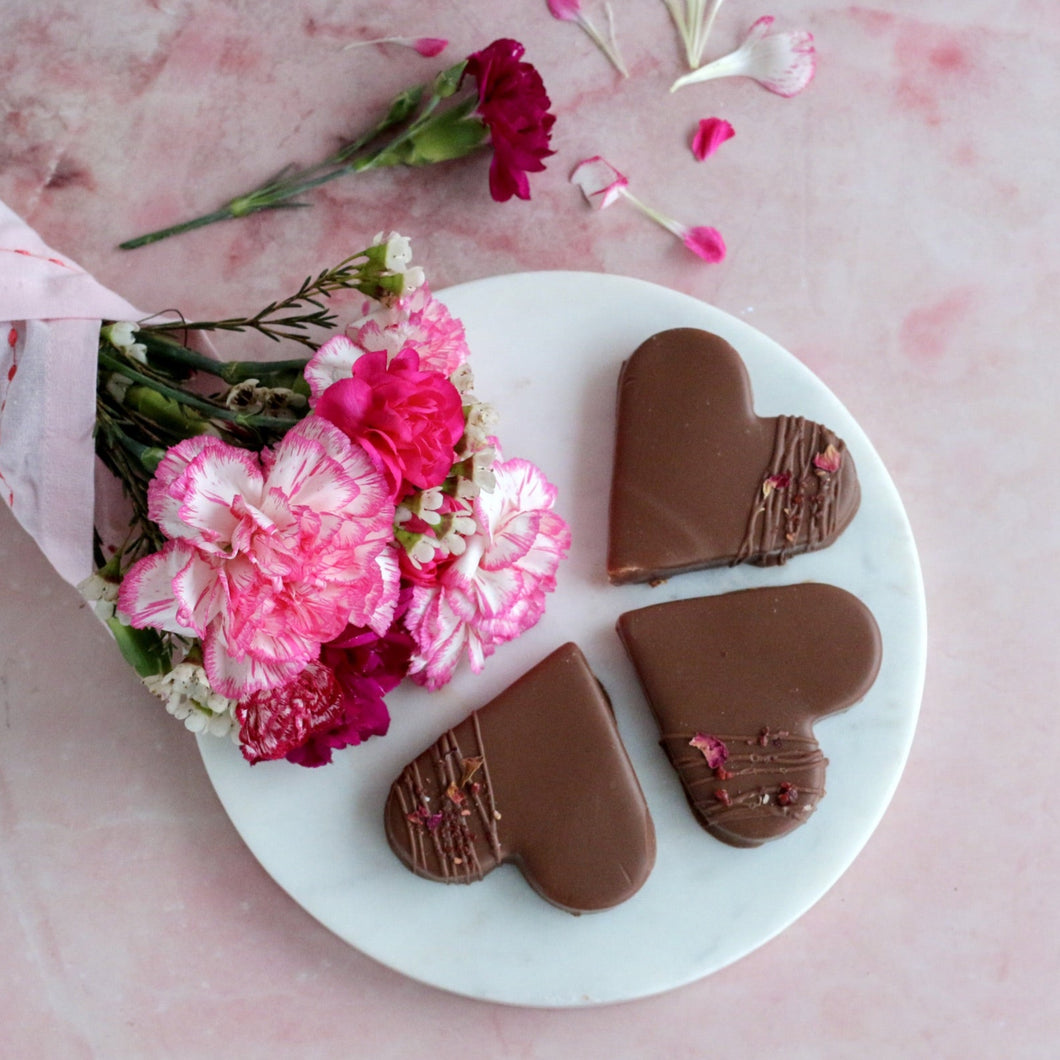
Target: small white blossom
[101,594]
[121,335]
[187,695]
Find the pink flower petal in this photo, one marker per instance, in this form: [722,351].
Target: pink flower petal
[429,47]
[713,749]
[600,182]
[829,460]
[710,134]
[332,362]
[706,243]
[565,10]
[783,62]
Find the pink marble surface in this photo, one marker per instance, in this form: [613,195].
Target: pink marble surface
[894,226]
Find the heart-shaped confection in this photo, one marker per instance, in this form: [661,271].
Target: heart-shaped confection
[539,777]
[736,682]
[700,481]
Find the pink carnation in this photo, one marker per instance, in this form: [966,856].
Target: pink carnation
[421,322]
[418,321]
[407,419]
[268,557]
[496,589]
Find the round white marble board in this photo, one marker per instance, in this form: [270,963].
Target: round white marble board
[546,349]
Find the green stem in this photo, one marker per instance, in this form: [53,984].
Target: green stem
[190,400]
[275,192]
[222,214]
[230,371]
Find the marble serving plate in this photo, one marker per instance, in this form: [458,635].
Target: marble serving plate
[546,350]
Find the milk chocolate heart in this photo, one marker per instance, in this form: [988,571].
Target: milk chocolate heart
[539,777]
[736,682]
[699,480]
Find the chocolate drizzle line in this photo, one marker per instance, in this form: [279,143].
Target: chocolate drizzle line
[763,780]
[450,837]
[806,505]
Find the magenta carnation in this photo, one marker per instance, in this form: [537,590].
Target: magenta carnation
[514,106]
[366,666]
[408,420]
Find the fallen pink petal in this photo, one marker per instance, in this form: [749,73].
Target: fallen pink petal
[710,134]
[565,10]
[783,61]
[600,182]
[571,11]
[428,47]
[706,243]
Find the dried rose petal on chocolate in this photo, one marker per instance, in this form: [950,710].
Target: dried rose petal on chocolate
[714,750]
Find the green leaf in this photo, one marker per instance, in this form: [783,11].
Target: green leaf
[143,649]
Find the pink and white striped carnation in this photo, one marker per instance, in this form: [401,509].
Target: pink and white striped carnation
[495,590]
[418,321]
[268,555]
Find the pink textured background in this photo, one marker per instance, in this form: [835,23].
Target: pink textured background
[895,227]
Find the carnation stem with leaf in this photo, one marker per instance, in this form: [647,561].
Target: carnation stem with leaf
[424,124]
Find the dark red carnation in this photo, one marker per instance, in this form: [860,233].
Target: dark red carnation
[274,722]
[514,105]
[366,667]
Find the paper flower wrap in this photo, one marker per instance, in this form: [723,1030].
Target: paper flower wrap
[50,314]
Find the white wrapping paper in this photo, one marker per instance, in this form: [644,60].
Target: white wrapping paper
[50,312]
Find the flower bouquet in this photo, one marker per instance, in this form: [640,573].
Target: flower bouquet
[299,536]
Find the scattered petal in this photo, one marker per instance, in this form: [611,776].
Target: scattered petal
[694,24]
[571,11]
[600,182]
[783,61]
[705,243]
[565,10]
[428,47]
[472,765]
[710,134]
[780,481]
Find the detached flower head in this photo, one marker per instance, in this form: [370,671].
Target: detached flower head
[513,104]
[602,184]
[783,62]
[269,555]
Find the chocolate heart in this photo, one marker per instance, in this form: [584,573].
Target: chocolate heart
[699,480]
[539,777]
[736,682]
